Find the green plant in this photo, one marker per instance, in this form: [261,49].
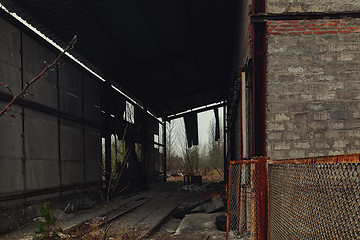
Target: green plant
[47,228]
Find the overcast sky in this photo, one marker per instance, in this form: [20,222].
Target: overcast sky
[204,120]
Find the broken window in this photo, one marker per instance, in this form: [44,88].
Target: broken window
[117,151]
[129,113]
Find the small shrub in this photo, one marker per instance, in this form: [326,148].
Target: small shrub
[46,228]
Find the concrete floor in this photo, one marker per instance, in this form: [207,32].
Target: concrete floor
[152,206]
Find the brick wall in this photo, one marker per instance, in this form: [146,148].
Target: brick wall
[313,88]
[285,6]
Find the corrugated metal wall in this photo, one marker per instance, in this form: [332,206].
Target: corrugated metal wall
[55,140]
[53,148]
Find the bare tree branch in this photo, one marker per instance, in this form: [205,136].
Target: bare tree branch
[42,73]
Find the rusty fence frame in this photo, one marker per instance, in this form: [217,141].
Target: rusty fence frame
[263,185]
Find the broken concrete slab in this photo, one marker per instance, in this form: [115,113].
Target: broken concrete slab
[201,223]
[215,204]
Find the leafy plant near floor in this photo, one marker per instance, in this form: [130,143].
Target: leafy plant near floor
[47,228]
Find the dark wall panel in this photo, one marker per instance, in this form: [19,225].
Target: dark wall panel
[35,58]
[70,89]
[92,138]
[11,176]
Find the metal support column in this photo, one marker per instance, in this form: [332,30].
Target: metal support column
[107,130]
[263,198]
[164,143]
[226,173]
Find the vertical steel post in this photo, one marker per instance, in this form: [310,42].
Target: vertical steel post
[224,145]
[228,204]
[107,130]
[146,144]
[262,198]
[253,201]
[164,143]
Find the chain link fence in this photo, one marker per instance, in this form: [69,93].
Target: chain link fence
[312,198]
[243,201]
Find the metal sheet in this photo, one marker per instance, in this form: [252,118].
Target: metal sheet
[35,58]
[11,76]
[70,89]
[11,176]
[42,174]
[70,77]
[92,112]
[93,151]
[10,44]
[92,89]
[41,136]
[72,172]
[71,141]
[10,137]
[70,103]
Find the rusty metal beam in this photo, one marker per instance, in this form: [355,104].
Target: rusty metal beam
[195,111]
[262,17]
[48,190]
[346,158]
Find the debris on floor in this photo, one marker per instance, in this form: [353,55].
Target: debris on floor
[200,224]
[145,215]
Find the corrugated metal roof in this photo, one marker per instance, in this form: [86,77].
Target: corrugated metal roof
[173,55]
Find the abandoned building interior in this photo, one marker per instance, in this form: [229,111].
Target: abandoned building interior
[286,74]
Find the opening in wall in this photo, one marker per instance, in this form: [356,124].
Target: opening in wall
[129,113]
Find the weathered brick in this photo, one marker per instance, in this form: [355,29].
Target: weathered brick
[317,83]
[274,136]
[281,117]
[322,116]
[356,114]
[325,96]
[297,153]
[282,146]
[276,126]
[337,47]
[296,69]
[317,125]
[352,133]
[346,56]
[332,134]
[327,57]
[321,144]
[337,152]
[340,143]
[288,135]
[336,125]
[334,86]
[304,145]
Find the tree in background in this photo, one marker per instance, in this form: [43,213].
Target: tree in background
[171,148]
[215,148]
